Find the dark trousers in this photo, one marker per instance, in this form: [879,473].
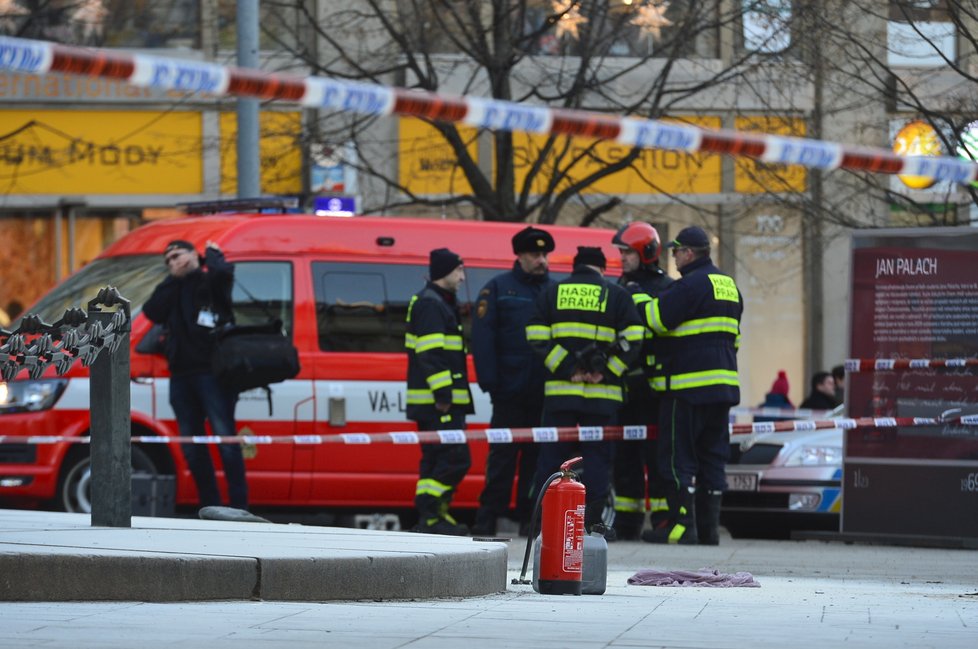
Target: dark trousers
[441,469]
[597,455]
[694,442]
[504,459]
[197,397]
[636,473]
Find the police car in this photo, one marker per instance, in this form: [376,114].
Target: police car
[781,482]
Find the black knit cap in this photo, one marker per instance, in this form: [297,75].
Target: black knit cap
[178,244]
[441,262]
[531,239]
[590,256]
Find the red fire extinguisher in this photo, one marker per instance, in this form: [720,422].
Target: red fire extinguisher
[561,558]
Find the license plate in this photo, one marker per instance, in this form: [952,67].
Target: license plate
[741,482]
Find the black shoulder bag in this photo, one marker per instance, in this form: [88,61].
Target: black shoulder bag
[254,356]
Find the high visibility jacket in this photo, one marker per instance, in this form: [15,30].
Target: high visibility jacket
[505,364]
[572,315]
[698,321]
[437,370]
[645,284]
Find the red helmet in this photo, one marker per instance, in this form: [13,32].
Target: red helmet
[640,237]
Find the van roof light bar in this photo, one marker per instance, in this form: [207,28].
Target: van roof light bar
[277,204]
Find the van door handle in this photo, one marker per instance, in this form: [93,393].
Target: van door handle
[337,411]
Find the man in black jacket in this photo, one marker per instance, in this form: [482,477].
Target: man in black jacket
[588,332]
[511,373]
[697,322]
[192,302]
[438,395]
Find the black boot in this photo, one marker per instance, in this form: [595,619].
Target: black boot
[485,523]
[681,527]
[433,517]
[708,516]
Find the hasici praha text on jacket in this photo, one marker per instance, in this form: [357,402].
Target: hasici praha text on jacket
[574,318]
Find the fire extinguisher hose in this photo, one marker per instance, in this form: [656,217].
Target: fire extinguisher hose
[534,528]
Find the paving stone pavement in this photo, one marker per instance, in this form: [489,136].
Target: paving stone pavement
[812,594]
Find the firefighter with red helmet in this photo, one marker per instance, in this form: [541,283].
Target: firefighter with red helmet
[635,461]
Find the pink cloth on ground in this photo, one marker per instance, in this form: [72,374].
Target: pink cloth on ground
[703,577]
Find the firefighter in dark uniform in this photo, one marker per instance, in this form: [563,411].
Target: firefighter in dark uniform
[438,396]
[635,461]
[588,332]
[697,319]
[511,374]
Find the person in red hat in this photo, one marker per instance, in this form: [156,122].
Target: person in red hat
[776,398]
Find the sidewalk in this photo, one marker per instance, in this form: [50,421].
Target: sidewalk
[452,592]
[48,556]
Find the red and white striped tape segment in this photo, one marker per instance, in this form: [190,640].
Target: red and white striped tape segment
[789,413]
[892,364]
[539,435]
[40,57]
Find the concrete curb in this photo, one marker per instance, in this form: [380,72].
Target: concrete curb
[48,556]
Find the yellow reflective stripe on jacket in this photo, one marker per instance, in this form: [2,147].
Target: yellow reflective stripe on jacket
[420,397]
[653,318]
[537,332]
[431,487]
[427,397]
[439,380]
[429,342]
[641,298]
[616,366]
[635,333]
[696,380]
[582,330]
[585,390]
[555,358]
[629,505]
[719,324]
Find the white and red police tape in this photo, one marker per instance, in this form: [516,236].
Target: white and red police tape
[893,364]
[40,57]
[540,435]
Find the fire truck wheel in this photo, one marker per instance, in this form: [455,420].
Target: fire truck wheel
[75,485]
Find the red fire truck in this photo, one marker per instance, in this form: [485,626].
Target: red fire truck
[341,286]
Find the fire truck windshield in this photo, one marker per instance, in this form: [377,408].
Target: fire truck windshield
[134,277]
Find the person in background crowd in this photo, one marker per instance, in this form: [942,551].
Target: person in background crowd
[822,396]
[192,302]
[777,397]
[635,472]
[839,376]
[511,374]
[438,395]
[698,318]
[588,332]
